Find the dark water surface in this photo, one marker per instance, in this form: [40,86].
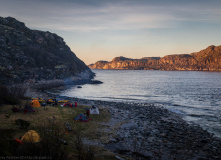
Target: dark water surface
[195,95]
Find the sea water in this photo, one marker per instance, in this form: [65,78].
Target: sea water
[195,95]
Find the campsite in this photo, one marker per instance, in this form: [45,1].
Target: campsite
[113,130]
[58,121]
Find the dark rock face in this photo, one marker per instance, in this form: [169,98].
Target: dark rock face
[208,59]
[32,55]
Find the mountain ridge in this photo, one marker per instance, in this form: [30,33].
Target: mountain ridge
[208,59]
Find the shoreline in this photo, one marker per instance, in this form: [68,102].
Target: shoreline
[148,132]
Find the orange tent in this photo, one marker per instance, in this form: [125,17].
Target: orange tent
[35,103]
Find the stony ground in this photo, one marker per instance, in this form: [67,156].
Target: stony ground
[143,131]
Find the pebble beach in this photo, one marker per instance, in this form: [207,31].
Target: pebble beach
[149,132]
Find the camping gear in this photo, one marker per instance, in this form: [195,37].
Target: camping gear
[63,141]
[82,118]
[35,103]
[15,109]
[75,104]
[18,140]
[94,110]
[49,101]
[52,102]
[68,105]
[28,108]
[30,137]
[68,126]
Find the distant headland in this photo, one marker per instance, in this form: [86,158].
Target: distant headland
[208,59]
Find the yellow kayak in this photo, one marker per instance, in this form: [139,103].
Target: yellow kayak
[63,101]
[39,99]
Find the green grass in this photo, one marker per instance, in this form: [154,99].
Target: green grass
[53,118]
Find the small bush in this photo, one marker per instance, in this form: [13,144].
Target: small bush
[83,152]
[12,95]
[17,91]
[3,93]
[11,100]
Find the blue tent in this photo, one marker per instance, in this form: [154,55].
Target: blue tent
[28,108]
[81,117]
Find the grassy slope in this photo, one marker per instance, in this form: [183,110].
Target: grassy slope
[45,117]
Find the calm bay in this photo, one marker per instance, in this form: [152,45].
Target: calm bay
[194,95]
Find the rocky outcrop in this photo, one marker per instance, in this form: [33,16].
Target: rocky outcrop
[208,59]
[32,55]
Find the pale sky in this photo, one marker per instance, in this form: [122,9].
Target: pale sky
[103,29]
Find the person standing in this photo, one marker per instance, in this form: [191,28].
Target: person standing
[88,113]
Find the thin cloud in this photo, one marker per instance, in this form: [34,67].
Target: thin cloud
[77,16]
[110,18]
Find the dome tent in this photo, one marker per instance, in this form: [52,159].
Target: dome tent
[28,108]
[35,103]
[82,118]
[31,137]
[94,110]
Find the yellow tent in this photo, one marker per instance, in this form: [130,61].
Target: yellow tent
[31,137]
[35,103]
[39,99]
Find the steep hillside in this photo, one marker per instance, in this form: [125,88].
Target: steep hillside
[32,55]
[208,59]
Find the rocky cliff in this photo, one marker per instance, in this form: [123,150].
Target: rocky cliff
[32,55]
[208,59]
